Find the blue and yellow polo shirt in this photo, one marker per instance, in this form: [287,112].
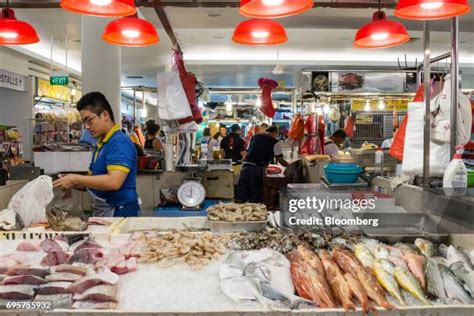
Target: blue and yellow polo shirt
[116,152]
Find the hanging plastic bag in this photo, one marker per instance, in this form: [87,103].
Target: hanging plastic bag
[31,201]
[172,101]
[349,126]
[398,143]
[441,116]
[296,128]
[267,85]
[189,82]
[413,147]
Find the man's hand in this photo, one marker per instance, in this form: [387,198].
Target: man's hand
[66,182]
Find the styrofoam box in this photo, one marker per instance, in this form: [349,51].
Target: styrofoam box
[54,162]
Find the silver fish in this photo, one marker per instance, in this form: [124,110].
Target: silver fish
[440,260]
[426,247]
[462,272]
[443,250]
[453,287]
[407,248]
[455,255]
[384,264]
[17,292]
[434,279]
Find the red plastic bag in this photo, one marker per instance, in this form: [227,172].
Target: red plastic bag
[398,144]
[267,85]
[297,127]
[314,142]
[189,82]
[349,128]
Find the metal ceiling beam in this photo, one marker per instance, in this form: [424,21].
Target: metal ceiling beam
[160,11]
[343,4]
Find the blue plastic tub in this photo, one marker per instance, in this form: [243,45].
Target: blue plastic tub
[342,173]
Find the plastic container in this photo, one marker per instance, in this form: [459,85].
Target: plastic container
[342,173]
[455,176]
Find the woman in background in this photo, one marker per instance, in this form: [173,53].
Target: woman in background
[152,141]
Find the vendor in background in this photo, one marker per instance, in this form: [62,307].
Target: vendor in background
[332,143]
[206,146]
[233,146]
[112,173]
[152,141]
[262,128]
[262,150]
[386,144]
[222,133]
[214,146]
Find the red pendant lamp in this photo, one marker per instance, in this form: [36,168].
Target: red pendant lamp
[100,7]
[259,33]
[381,32]
[130,31]
[270,9]
[431,9]
[14,32]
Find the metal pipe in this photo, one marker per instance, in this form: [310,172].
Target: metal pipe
[435,59]
[134,107]
[426,127]
[454,83]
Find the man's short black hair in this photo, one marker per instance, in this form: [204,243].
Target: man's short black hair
[222,126]
[95,102]
[235,128]
[272,129]
[264,125]
[339,133]
[153,129]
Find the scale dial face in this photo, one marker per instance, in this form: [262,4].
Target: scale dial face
[191,194]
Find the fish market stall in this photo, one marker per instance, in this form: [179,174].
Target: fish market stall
[272,271]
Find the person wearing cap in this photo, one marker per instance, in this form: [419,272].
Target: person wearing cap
[263,149]
[232,145]
[332,143]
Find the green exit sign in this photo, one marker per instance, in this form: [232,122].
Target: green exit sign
[59,81]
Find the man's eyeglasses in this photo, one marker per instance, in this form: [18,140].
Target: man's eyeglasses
[88,121]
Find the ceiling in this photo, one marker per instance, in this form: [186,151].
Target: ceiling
[317,38]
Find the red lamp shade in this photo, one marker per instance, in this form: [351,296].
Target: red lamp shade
[259,33]
[14,32]
[130,31]
[269,9]
[100,7]
[381,33]
[431,9]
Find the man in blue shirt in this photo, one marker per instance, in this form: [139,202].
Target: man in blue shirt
[111,180]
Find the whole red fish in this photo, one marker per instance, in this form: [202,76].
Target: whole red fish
[336,280]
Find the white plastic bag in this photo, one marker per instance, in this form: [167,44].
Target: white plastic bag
[172,101]
[31,201]
[413,149]
[441,116]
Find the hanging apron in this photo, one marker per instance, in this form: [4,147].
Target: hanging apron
[100,207]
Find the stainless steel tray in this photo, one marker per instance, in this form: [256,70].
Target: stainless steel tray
[361,183]
[253,226]
[396,227]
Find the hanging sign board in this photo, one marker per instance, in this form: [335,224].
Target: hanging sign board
[389,105]
[13,81]
[45,89]
[59,78]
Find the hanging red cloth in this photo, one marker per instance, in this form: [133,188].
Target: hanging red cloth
[267,85]
[189,82]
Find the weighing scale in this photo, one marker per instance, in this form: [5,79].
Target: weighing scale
[191,193]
